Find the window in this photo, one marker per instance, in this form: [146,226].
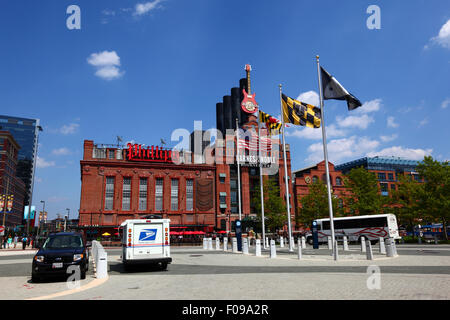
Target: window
[110,154]
[159,194]
[143,194]
[233,197]
[416,177]
[174,195]
[109,193]
[315,179]
[189,195]
[126,193]
[356,223]
[384,187]
[338,181]
[223,199]
[390,176]
[393,187]
[340,203]
[381,176]
[233,184]
[222,179]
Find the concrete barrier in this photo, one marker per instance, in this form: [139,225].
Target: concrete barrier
[363,244]
[369,253]
[281,242]
[205,243]
[303,243]
[273,249]
[225,244]
[100,259]
[210,247]
[382,246]
[299,249]
[234,248]
[258,248]
[245,245]
[345,243]
[217,244]
[330,247]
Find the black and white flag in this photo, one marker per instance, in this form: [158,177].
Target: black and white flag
[332,89]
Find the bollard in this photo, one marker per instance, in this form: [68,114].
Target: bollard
[391,251]
[394,247]
[369,253]
[402,240]
[102,265]
[329,243]
[234,248]
[303,243]
[345,243]
[205,243]
[293,242]
[382,246]
[435,239]
[217,244]
[420,240]
[281,242]
[273,249]
[210,247]
[266,245]
[363,244]
[258,248]
[336,250]
[299,249]
[225,244]
[245,246]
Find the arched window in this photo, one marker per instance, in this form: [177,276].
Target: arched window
[315,179]
[324,179]
[340,203]
[338,181]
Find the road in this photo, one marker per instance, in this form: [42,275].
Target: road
[419,272]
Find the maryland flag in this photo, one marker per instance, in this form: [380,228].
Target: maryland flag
[300,113]
[272,124]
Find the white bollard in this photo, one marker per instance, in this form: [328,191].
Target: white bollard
[210,247]
[273,249]
[225,244]
[345,243]
[235,248]
[336,249]
[258,247]
[330,247]
[299,249]
[245,245]
[391,250]
[369,253]
[394,246]
[266,245]
[293,242]
[382,246]
[205,243]
[217,244]
[102,265]
[363,244]
[281,242]
[303,243]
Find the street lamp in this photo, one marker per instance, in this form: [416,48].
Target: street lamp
[40,217]
[68,214]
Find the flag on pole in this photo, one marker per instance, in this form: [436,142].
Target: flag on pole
[273,125]
[300,113]
[250,141]
[332,89]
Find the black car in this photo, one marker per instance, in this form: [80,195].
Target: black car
[59,251]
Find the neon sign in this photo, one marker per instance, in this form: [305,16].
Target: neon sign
[138,152]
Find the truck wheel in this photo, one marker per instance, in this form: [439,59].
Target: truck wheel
[310,241]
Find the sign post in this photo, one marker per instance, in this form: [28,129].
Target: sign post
[239,235]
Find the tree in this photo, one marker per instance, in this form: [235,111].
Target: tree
[274,206]
[364,197]
[434,198]
[315,204]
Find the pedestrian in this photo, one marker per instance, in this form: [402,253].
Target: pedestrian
[15,240]
[24,242]
[4,240]
[9,241]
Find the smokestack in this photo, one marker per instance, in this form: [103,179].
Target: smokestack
[219,117]
[236,106]
[227,112]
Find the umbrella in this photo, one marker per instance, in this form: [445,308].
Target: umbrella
[199,232]
[221,231]
[106,234]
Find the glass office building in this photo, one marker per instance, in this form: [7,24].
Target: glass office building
[25,132]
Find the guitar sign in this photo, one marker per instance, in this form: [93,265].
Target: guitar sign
[249,104]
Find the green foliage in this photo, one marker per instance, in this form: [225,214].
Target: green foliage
[365,197]
[275,212]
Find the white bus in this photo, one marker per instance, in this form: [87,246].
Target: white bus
[371,227]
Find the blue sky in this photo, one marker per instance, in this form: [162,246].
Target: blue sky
[141,69]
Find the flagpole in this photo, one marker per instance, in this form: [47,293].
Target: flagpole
[327,171]
[288,197]
[261,182]
[238,168]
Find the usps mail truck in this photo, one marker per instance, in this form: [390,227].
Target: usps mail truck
[146,241]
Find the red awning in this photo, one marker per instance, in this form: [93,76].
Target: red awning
[221,231]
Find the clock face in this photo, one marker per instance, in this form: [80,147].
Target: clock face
[308,179]
[238,223]
[250,106]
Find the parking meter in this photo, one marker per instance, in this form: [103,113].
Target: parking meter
[315,235]
[239,234]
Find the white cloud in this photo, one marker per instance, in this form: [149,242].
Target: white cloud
[340,149]
[41,163]
[143,8]
[445,103]
[391,122]
[61,152]
[361,122]
[310,97]
[443,38]
[38,180]
[108,12]
[107,63]
[423,122]
[315,134]
[369,106]
[398,151]
[388,138]
[69,129]
[55,199]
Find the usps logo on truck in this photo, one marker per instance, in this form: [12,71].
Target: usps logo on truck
[147,235]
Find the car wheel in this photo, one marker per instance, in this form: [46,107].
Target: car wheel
[310,241]
[83,275]
[35,279]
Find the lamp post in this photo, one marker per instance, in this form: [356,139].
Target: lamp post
[40,217]
[68,214]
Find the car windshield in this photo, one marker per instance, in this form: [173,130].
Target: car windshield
[66,241]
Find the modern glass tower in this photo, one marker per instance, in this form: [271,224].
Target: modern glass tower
[25,132]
